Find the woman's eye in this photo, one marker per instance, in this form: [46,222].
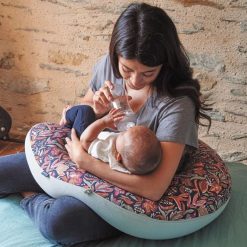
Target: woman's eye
[125,70]
[148,74]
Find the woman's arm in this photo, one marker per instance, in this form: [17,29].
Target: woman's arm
[88,97]
[151,186]
[100,100]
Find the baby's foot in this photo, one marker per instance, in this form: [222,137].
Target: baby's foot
[63,120]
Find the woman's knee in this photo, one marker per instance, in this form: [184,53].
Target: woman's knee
[70,221]
[61,223]
[15,175]
[9,172]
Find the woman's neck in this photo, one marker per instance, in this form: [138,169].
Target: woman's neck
[139,97]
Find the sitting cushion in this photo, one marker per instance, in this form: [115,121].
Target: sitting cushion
[195,197]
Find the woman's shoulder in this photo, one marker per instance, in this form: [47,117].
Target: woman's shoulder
[166,107]
[103,68]
[176,120]
[102,72]
[103,61]
[171,103]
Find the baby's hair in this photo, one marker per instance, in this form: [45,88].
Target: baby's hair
[142,153]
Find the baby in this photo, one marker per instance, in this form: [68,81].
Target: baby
[136,150]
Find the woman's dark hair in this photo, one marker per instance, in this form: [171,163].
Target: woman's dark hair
[147,34]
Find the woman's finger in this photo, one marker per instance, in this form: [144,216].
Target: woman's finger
[74,137]
[67,140]
[97,98]
[101,97]
[105,95]
[68,148]
[109,84]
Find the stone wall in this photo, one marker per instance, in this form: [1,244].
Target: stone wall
[48,48]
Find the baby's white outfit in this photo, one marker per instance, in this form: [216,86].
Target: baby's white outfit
[102,148]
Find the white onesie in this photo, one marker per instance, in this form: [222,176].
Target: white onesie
[102,148]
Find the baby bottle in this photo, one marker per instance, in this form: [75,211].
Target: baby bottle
[120,101]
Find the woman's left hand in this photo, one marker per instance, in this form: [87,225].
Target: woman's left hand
[75,150]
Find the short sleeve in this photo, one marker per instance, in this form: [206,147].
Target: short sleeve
[177,122]
[102,72]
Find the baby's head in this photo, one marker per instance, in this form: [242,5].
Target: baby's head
[139,150]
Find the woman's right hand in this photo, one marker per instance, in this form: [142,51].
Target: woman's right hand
[75,149]
[102,99]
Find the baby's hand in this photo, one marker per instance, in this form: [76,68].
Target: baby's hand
[113,117]
[63,120]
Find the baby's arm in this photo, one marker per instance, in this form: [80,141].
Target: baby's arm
[93,130]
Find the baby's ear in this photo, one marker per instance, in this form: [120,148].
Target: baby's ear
[119,157]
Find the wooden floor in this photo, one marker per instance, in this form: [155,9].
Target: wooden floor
[10,147]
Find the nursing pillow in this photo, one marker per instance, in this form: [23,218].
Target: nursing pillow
[196,196]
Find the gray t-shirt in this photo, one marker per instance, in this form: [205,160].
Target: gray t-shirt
[171,119]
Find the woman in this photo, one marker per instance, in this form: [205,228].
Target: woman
[146,52]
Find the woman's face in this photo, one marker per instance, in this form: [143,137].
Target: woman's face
[137,75]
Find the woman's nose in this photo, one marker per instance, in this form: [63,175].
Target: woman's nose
[135,78]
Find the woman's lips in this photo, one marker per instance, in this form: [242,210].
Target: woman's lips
[135,87]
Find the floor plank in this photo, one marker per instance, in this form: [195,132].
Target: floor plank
[10,147]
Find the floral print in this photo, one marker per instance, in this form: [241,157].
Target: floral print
[200,189]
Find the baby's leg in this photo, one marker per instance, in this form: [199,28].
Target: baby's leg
[80,117]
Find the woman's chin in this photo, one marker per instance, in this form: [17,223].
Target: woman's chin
[135,87]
